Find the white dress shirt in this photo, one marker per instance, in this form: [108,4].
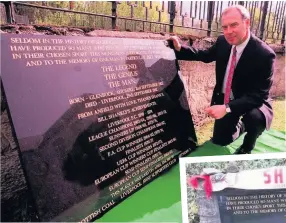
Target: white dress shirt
[239,51]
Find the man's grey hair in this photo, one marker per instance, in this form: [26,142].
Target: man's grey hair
[242,10]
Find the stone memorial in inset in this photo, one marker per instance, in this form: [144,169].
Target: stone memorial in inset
[95,118]
[248,196]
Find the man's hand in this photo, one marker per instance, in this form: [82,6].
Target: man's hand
[176,42]
[216,111]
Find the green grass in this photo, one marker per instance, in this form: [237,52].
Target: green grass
[279,114]
[205,132]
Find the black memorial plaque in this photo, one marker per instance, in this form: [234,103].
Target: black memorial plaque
[95,118]
[252,206]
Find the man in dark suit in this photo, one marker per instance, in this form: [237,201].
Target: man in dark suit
[244,75]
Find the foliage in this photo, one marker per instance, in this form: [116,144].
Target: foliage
[49,17]
[197,168]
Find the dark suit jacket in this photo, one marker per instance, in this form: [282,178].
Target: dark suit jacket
[252,79]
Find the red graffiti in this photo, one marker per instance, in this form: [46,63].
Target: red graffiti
[275,176]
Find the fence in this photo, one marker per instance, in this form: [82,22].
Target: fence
[267,17]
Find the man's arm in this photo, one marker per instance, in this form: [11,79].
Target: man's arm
[260,91]
[190,53]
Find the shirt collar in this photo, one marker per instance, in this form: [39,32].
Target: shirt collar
[240,47]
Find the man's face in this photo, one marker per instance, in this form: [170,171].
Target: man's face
[235,29]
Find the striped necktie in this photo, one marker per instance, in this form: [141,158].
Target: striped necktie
[229,78]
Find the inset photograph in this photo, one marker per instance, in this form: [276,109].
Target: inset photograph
[234,189]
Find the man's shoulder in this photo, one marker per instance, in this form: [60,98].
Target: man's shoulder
[261,47]
[221,39]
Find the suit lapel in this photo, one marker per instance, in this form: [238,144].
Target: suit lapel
[242,63]
[226,57]
[223,62]
[244,58]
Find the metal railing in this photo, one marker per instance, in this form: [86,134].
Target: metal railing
[267,17]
